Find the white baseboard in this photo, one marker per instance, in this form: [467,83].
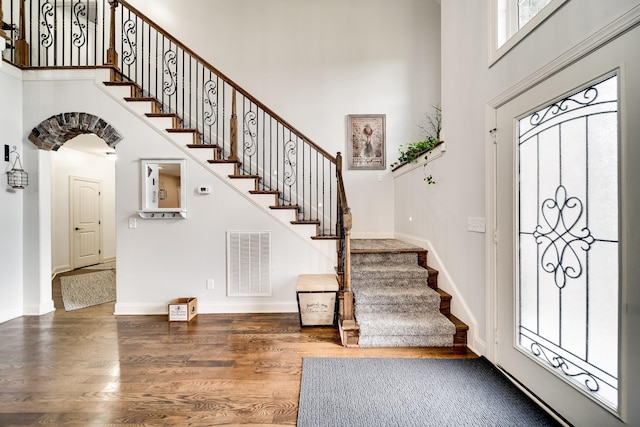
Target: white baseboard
[128,309]
[59,269]
[10,314]
[459,306]
[38,310]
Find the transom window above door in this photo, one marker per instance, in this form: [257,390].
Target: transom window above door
[512,20]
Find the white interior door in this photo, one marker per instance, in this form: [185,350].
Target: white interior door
[564,203]
[85,222]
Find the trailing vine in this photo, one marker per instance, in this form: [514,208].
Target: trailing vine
[411,152]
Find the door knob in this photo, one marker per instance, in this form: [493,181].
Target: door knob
[78,228]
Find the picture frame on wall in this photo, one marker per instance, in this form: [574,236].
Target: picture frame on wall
[366,146]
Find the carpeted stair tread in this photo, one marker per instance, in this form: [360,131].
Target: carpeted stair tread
[389,295]
[381,245]
[388,275]
[388,324]
[383,259]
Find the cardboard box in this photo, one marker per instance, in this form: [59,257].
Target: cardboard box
[183,309]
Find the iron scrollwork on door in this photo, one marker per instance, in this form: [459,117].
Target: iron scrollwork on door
[561,237]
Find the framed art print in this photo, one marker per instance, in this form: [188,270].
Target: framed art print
[366,141]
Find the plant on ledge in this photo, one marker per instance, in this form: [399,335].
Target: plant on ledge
[410,152]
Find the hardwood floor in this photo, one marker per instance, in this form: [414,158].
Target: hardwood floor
[88,367]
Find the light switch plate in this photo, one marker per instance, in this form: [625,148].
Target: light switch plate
[476,224]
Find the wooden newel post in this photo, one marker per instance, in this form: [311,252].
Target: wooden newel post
[233,150]
[112,54]
[22,47]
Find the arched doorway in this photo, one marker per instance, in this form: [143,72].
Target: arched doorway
[50,135]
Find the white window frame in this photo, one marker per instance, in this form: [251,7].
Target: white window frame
[497,21]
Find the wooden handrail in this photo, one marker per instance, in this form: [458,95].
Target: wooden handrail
[227,80]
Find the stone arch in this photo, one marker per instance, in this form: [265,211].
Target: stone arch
[52,133]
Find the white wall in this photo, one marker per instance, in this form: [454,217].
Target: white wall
[468,84]
[314,62]
[11,247]
[164,259]
[66,163]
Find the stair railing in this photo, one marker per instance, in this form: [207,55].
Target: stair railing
[112,33]
[77,33]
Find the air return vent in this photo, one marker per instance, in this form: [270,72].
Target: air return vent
[248,263]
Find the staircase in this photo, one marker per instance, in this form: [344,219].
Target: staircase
[397,300]
[241,140]
[229,168]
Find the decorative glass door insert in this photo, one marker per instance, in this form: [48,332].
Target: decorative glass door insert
[567,239]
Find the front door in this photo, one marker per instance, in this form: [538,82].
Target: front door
[85,222]
[561,186]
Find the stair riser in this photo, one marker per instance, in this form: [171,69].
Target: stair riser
[389,280]
[405,341]
[408,330]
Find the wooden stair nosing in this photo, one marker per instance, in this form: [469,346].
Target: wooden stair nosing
[306,221]
[141,99]
[460,337]
[326,237]
[183,130]
[274,192]
[213,161]
[203,145]
[296,207]
[236,176]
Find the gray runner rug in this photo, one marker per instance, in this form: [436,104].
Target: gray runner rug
[412,392]
[86,290]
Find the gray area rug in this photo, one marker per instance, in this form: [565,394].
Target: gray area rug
[412,392]
[86,290]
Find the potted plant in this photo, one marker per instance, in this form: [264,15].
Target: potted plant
[409,153]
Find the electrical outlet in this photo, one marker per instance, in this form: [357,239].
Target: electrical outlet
[210,284]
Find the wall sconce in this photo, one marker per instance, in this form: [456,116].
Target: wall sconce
[17,177]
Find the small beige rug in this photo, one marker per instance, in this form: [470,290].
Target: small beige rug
[104,266]
[86,290]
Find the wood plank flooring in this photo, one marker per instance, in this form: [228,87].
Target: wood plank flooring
[90,368]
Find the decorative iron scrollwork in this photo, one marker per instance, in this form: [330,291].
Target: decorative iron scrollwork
[250,130]
[46,38]
[210,104]
[290,148]
[566,367]
[129,42]
[563,237]
[584,98]
[170,85]
[79,38]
